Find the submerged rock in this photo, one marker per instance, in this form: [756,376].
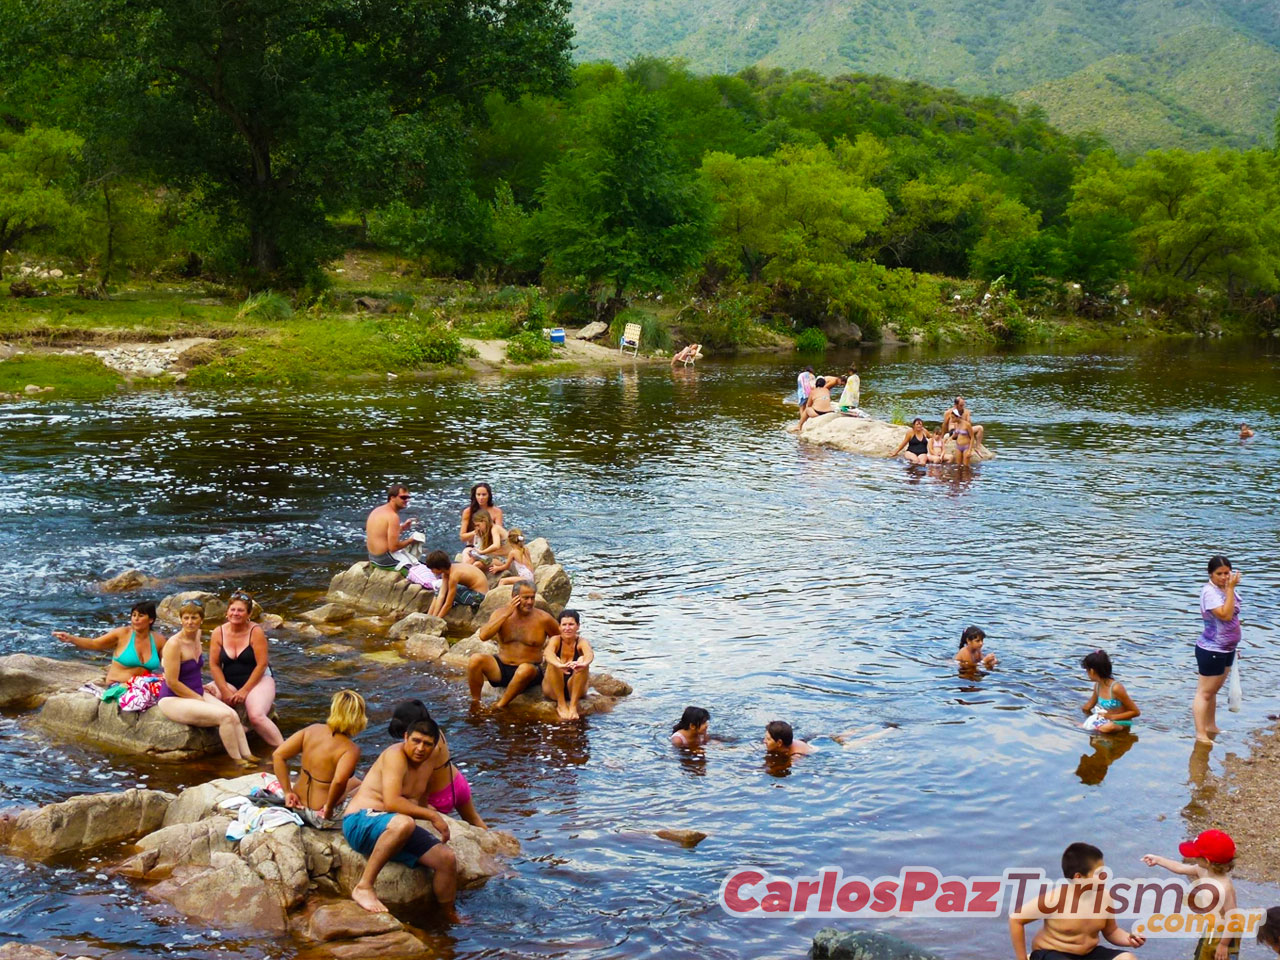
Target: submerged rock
[416,623]
[83,717]
[832,944]
[328,613]
[682,836]
[27,681]
[124,582]
[84,822]
[226,893]
[872,438]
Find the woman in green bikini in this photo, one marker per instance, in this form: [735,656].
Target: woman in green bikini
[137,647]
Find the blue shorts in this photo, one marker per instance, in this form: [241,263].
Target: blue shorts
[1213,663]
[363,828]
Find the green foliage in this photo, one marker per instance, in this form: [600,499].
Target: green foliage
[66,373]
[1199,220]
[37,184]
[528,347]
[419,343]
[267,306]
[723,325]
[280,111]
[812,340]
[654,332]
[623,208]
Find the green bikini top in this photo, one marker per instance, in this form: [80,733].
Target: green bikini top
[130,657]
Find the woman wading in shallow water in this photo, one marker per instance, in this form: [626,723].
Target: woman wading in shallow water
[1216,648]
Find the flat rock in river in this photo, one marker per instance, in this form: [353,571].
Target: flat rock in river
[27,681]
[84,822]
[872,438]
[83,717]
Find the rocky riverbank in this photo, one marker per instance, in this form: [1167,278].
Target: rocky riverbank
[292,879]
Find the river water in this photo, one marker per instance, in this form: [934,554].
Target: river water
[715,563]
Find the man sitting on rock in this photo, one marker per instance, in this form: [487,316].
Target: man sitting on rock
[568,660]
[463,584]
[380,819]
[522,631]
[383,529]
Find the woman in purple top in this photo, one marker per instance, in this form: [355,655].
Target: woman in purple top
[1216,648]
[182,695]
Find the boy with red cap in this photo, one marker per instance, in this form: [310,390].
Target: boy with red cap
[1213,854]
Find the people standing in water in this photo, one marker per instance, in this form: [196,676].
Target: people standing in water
[1213,854]
[447,789]
[691,729]
[328,764]
[1245,431]
[380,821]
[916,443]
[804,386]
[1216,648]
[567,662]
[961,413]
[851,393]
[461,584]
[521,630]
[137,647]
[238,660]
[384,530]
[481,499]
[1110,709]
[183,698]
[970,655]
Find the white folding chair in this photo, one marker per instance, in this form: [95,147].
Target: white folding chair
[693,357]
[630,338]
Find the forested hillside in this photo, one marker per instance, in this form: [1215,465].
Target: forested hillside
[1143,73]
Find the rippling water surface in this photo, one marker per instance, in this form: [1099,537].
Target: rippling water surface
[715,563]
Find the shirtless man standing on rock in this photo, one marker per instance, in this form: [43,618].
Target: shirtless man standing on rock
[522,631]
[380,820]
[383,529]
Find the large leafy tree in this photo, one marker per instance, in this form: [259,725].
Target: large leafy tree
[279,111]
[37,186]
[624,208]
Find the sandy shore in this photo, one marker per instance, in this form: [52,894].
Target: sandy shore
[1243,801]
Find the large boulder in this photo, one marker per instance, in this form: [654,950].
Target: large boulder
[84,822]
[832,944]
[82,717]
[425,646]
[329,613]
[198,802]
[872,438]
[126,581]
[592,331]
[178,845]
[280,859]
[540,552]
[226,894]
[553,586]
[371,589]
[349,932]
[27,681]
[416,623]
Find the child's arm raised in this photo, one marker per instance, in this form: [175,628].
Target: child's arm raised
[1173,866]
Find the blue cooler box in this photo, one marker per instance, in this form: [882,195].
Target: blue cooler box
[557,334]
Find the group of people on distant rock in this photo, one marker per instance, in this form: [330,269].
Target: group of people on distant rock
[921,447]
[814,394]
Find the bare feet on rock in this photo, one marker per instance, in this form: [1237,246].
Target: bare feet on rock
[369,900]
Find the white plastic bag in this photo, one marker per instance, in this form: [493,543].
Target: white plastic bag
[1234,696]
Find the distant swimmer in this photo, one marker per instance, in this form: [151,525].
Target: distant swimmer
[779,738]
[970,655]
[1245,431]
[384,529]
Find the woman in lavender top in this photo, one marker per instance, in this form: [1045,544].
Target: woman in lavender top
[1216,648]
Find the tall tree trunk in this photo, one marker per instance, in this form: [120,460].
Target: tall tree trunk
[264,251]
[104,276]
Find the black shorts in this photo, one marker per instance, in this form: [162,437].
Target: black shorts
[1211,663]
[507,672]
[1097,953]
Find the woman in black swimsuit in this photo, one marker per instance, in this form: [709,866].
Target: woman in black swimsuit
[238,662]
[916,443]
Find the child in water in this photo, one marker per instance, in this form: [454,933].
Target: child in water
[780,738]
[1213,854]
[691,729]
[1110,709]
[970,653]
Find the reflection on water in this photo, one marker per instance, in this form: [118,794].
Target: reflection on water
[715,562]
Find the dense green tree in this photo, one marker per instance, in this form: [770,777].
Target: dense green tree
[623,208]
[1207,219]
[38,186]
[280,111]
